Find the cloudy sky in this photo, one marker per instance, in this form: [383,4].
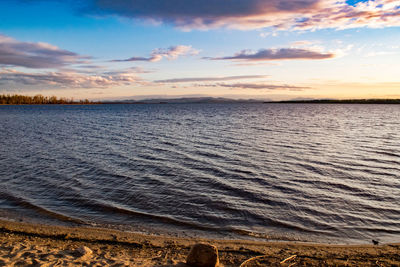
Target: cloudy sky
[271,49]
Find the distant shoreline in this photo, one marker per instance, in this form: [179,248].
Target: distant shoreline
[336,101]
[53,100]
[216,101]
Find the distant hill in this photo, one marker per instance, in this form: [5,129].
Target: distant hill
[196,100]
[184,100]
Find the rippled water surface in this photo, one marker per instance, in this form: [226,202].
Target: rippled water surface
[326,173]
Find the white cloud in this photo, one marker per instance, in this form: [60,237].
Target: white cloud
[170,53]
[69,79]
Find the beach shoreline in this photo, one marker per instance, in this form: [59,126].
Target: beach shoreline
[26,244]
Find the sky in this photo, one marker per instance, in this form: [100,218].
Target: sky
[264,49]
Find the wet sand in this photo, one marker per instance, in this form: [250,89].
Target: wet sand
[25,244]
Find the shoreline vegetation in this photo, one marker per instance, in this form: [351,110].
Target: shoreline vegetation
[53,100]
[40,100]
[25,244]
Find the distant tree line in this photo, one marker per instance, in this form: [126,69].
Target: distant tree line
[39,100]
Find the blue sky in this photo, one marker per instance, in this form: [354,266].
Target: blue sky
[101,49]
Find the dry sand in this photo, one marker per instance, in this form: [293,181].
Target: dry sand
[40,245]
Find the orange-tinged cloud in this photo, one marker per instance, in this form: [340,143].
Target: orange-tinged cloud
[252,14]
[158,54]
[210,79]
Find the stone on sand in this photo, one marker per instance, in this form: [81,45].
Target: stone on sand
[203,255]
[83,251]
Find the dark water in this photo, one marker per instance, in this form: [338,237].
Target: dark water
[326,173]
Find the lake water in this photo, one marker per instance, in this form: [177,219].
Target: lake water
[314,172]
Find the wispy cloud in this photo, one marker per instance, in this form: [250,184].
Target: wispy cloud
[302,43]
[210,79]
[69,79]
[158,54]
[35,55]
[276,54]
[251,14]
[256,86]
[68,69]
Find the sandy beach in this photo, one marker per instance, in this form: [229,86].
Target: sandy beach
[25,244]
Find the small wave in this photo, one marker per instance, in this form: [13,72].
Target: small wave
[19,201]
